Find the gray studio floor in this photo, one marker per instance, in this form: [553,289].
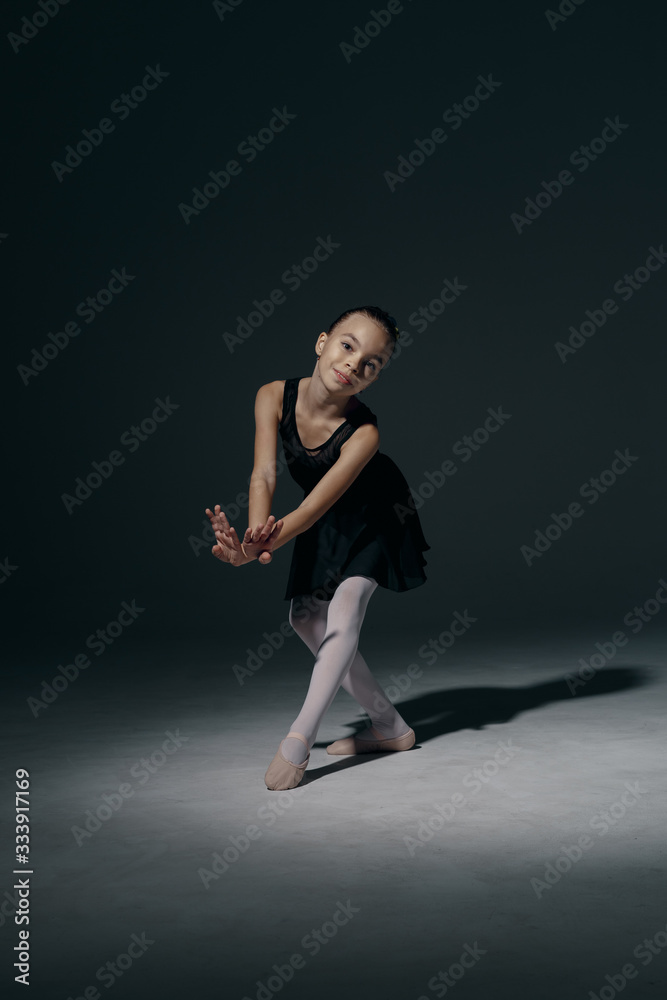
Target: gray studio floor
[517,850]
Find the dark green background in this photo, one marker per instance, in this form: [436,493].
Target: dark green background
[323,175]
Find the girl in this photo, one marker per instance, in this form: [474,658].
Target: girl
[355,529]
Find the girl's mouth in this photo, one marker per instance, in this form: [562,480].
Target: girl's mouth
[341,378]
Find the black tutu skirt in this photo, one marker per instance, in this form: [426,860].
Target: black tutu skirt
[380,537]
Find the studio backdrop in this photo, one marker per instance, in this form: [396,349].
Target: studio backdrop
[194,192]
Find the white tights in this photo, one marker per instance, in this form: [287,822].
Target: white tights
[331,630]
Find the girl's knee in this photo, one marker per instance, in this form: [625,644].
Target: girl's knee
[303,612]
[354,592]
[296,616]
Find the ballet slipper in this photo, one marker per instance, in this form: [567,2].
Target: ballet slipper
[282,773]
[352,745]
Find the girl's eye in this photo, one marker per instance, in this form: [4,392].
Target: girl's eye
[345,344]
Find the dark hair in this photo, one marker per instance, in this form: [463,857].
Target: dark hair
[377,315]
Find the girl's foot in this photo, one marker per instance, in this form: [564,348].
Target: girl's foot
[371,741]
[282,773]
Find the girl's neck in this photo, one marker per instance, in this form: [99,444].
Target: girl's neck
[317,401]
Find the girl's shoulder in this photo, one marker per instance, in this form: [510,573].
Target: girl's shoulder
[361,414]
[278,388]
[270,397]
[275,388]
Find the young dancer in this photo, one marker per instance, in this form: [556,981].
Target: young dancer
[355,529]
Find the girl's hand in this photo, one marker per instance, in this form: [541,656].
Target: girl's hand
[227,548]
[259,541]
[256,544]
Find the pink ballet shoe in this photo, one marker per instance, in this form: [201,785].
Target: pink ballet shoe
[282,773]
[353,745]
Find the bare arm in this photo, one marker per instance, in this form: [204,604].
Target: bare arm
[355,453]
[260,499]
[263,479]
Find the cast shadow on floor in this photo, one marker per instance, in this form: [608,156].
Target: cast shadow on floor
[451,710]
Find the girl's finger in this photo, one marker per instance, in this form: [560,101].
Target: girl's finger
[269,526]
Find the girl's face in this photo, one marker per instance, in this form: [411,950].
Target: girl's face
[357,349]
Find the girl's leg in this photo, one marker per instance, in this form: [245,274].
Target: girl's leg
[345,616]
[331,631]
[362,686]
[308,618]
